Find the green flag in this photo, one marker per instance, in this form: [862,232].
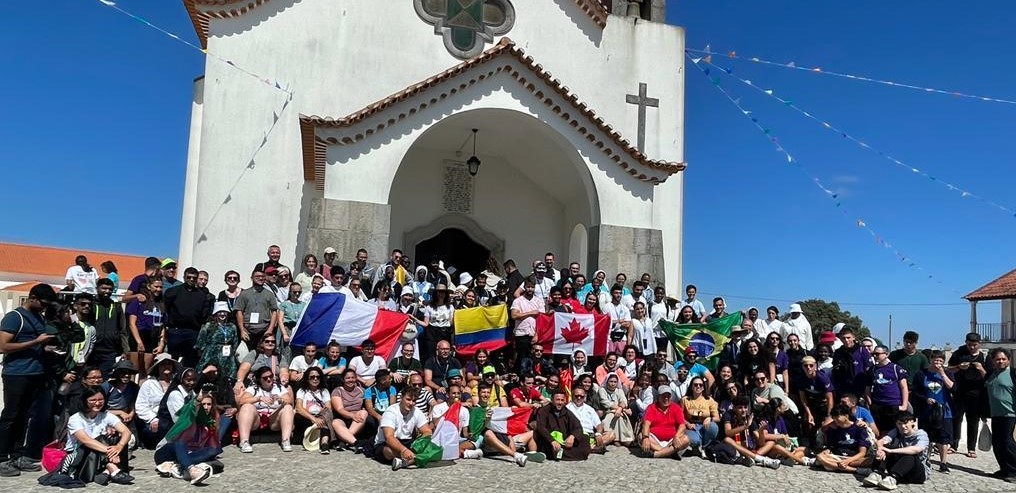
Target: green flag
[707,339]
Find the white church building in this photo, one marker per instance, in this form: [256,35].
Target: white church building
[368,139]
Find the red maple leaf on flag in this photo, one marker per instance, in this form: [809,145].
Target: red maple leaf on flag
[574,333]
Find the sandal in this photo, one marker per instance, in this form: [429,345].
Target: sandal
[971,454]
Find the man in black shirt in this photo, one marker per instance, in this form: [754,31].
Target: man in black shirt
[968,394]
[187,308]
[110,326]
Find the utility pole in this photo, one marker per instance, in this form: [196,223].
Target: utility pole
[890,343]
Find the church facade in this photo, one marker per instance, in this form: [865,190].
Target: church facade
[457,128]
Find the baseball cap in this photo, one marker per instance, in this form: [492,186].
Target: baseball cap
[664,389]
[329,250]
[270,270]
[973,337]
[166,262]
[541,267]
[454,372]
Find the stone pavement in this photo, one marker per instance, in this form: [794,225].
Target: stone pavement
[268,469]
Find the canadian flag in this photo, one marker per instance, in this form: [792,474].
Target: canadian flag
[564,333]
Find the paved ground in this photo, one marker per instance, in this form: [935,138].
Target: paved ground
[269,469]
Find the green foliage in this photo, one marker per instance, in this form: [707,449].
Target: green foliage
[824,314]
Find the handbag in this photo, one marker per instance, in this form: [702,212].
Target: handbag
[53,455]
[984,438]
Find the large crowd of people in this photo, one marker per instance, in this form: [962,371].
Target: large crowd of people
[90,373]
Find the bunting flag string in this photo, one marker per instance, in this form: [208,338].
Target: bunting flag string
[791,160]
[707,54]
[269,82]
[964,193]
[250,165]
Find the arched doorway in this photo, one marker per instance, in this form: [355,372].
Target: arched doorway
[531,190]
[456,249]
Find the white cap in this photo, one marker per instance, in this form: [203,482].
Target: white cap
[465,278]
[329,250]
[795,308]
[220,306]
[838,327]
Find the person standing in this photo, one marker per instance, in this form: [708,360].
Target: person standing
[81,277]
[187,308]
[22,339]
[255,310]
[110,329]
[1001,388]
[967,365]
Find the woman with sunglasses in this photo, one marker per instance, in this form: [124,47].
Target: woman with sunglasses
[232,290]
[314,405]
[702,414]
[266,356]
[780,369]
[96,443]
[265,404]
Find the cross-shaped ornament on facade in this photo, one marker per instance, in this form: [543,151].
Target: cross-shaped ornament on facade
[642,101]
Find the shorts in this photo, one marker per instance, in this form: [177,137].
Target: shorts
[379,454]
[941,435]
[150,338]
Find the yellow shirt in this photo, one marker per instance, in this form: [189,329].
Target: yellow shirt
[697,410]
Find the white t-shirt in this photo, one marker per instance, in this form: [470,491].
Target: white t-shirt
[586,415]
[404,426]
[84,282]
[258,393]
[313,401]
[542,288]
[93,427]
[300,364]
[363,370]
[440,409]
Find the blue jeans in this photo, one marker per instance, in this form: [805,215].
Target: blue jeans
[703,435]
[177,452]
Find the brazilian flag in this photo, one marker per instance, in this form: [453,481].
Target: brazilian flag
[707,339]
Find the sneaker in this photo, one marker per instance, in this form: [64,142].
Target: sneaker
[888,483]
[26,464]
[771,463]
[286,446]
[745,461]
[872,479]
[132,444]
[944,469]
[121,478]
[9,470]
[397,464]
[520,459]
[203,472]
[246,448]
[808,461]
[472,454]
[165,469]
[101,479]
[324,450]
[536,457]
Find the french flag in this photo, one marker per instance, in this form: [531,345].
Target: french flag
[348,321]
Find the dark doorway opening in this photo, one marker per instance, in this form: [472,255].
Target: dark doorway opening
[456,249]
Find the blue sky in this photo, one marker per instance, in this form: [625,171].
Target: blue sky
[97,105]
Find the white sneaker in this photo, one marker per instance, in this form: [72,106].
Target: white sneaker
[165,469]
[472,454]
[872,479]
[771,463]
[204,471]
[246,448]
[888,483]
[520,459]
[286,447]
[397,464]
[808,461]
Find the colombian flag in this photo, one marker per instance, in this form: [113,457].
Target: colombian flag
[482,327]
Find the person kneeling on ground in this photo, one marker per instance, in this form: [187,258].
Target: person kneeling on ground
[846,444]
[741,432]
[191,442]
[400,425]
[495,442]
[558,432]
[901,456]
[663,426]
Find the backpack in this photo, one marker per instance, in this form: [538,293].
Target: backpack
[722,453]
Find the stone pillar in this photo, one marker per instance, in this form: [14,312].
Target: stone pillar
[633,251]
[973,316]
[347,226]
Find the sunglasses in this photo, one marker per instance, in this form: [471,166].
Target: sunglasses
[267,377]
[760,379]
[232,278]
[313,377]
[697,385]
[268,342]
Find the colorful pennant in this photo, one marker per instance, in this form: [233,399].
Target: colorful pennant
[786,102]
[816,70]
[833,196]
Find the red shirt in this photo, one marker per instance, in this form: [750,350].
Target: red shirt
[532,396]
[663,423]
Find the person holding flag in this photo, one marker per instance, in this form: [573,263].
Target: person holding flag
[399,426]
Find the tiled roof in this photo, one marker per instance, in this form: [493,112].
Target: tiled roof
[52,263]
[201,11]
[1002,288]
[561,100]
